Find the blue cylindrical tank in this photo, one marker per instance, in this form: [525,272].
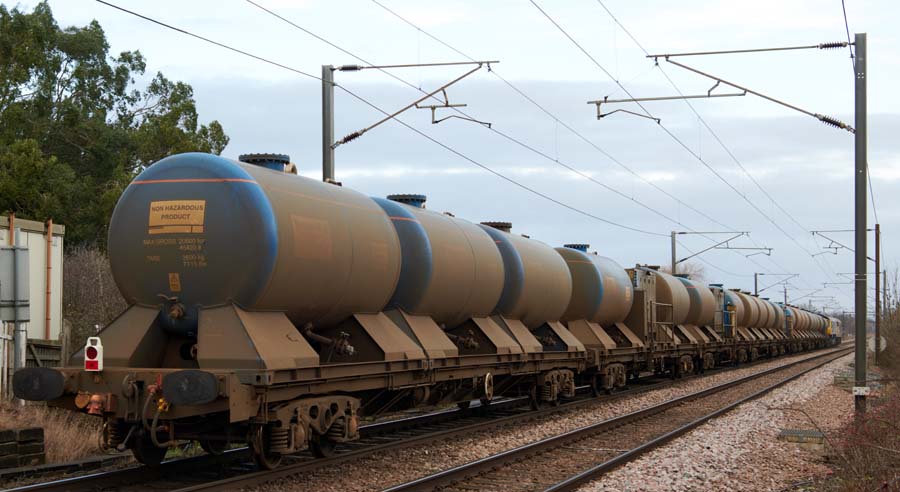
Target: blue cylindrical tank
[537,283]
[451,268]
[601,289]
[703,310]
[732,299]
[209,230]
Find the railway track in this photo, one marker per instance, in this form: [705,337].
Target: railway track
[569,460]
[236,465]
[184,473]
[234,469]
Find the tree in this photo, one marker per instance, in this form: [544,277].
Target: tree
[74,127]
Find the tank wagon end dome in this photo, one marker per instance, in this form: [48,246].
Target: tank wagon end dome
[583,247]
[499,225]
[411,199]
[193,201]
[275,162]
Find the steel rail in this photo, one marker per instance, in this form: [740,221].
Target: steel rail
[476,468]
[376,430]
[257,478]
[380,432]
[287,471]
[575,482]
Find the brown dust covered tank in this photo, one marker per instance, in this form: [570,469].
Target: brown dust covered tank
[670,290]
[451,268]
[807,319]
[601,289]
[763,312]
[537,284]
[779,316]
[703,304]
[210,230]
[774,318]
[820,322]
[801,321]
[751,311]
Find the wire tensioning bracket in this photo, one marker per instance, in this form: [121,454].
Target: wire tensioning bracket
[434,107]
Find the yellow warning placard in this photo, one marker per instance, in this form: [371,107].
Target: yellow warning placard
[177,216]
[175,282]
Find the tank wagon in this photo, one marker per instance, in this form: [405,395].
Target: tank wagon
[276,310]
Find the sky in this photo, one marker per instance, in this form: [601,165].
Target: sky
[745,164]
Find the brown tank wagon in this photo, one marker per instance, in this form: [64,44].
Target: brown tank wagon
[452,270]
[276,310]
[538,284]
[602,298]
[700,319]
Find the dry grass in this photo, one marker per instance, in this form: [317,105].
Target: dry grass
[67,435]
[868,451]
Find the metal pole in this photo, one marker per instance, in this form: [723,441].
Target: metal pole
[787,325]
[755,284]
[860,226]
[327,123]
[48,278]
[674,265]
[884,290]
[20,335]
[877,293]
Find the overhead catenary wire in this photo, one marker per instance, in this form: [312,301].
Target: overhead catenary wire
[543,109]
[703,120]
[849,43]
[715,135]
[681,142]
[495,130]
[398,120]
[722,143]
[505,135]
[519,142]
[853,66]
[719,140]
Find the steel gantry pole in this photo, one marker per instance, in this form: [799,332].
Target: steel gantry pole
[859,390]
[674,260]
[327,123]
[878,288]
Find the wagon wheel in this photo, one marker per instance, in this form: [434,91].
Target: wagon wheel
[147,453]
[213,447]
[533,400]
[488,390]
[597,388]
[321,446]
[261,442]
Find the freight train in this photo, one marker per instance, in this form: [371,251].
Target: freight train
[277,310]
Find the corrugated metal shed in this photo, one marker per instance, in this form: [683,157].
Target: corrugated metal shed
[33,235]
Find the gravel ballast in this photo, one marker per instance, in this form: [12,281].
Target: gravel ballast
[740,451]
[398,466]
